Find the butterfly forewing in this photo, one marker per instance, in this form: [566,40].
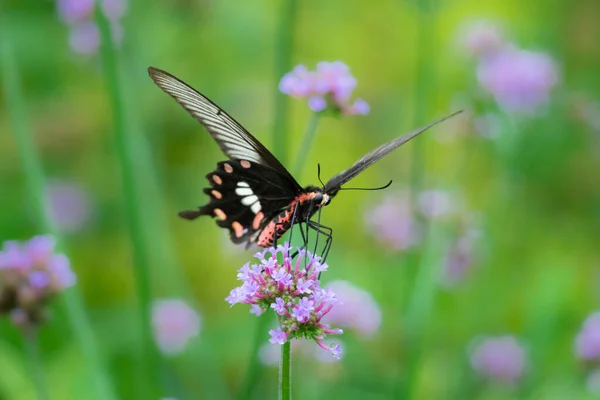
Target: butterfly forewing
[335,183]
[235,141]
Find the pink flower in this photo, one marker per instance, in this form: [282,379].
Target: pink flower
[291,289]
[356,309]
[481,37]
[519,80]
[31,273]
[392,223]
[175,323]
[587,342]
[500,358]
[330,86]
[68,205]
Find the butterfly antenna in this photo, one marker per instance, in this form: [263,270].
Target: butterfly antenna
[376,188]
[319,174]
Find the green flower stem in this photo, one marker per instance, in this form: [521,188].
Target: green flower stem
[285,372]
[148,363]
[34,178]
[420,304]
[33,353]
[423,291]
[283,62]
[307,139]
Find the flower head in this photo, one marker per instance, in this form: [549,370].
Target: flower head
[500,358]
[84,36]
[68,205]
[356,309]
[291,288]
[482,37]
[393,224]
[30,274]
[330,86]
[587,342]
[174,323]
[519,80]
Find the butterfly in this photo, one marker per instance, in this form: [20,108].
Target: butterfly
[251,193]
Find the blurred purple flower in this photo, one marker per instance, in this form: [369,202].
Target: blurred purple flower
[481,37]
[292,290]
[519,80]
[587,342]
[174,323]
[72,11]
[68,205]
[356,309]
[436,203]
[331,85]
[500,358]
[460,258]
[114,9]
[30,274]
[84,38]
[393,224]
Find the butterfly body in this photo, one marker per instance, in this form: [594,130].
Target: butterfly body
[252,194]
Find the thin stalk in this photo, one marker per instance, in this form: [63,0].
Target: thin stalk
[148,357]
[285,372]
[283,63]
[35,360]
[284,49]
[307,139]
[34,178]
[420,301]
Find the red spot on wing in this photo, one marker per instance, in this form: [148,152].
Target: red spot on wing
[228,168]
[217,179]
[245,164]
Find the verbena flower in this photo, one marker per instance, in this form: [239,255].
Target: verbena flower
[437,203]
[460,258]
[500,358]
[68,205]
[174,323]
[519,80]
[587,342]
[356,309]
[393,223]
[31,273]
[291,288]
[84,36]
[329,87]
[481,37]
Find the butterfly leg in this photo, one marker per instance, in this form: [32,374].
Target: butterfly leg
[323,230]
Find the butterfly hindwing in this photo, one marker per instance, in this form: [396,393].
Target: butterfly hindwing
[244,198]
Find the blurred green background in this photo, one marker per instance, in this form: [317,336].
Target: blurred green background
[524,186]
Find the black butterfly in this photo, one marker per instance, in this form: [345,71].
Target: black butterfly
[251,193]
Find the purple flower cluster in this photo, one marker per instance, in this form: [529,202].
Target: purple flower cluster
[175,323]
[291,288]
[394,224]
[356,309]
[68,205]
[519,80]
[30,274]
[587,342]
[84,37]
[500,358]
[329,87]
